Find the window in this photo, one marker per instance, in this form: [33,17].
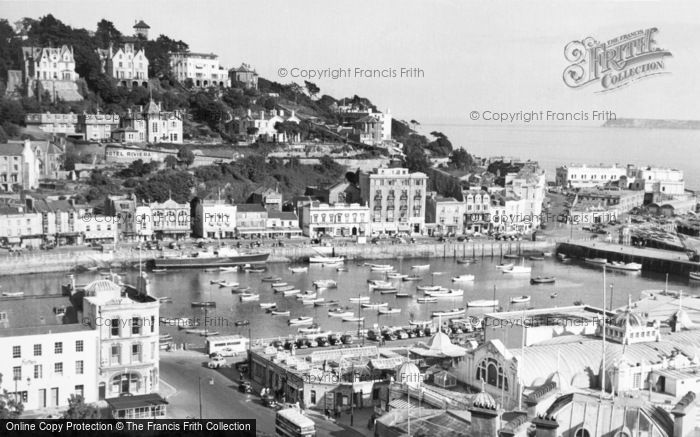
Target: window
[79,390]
[16,352]
[116,354]
[79,367]
[58,368]
[17,373]
[313,397]
[58,347]
[38,371]
[115,327]
[637,381]
[135,326]
[135,352]
[79,345]
[37,350]
[582,432]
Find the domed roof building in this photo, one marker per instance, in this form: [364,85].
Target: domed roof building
[409,374]
[628,327]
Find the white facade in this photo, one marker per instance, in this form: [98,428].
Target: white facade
[53,123]
[582,175]
[477,210]
[152,125]
[338,220]
[14,227]
[49,63]
[44,365]
[202,68]
[263,124]
[659,180]
[214,220]
[127,327]
[99,227]
[396,199]
[126,64]
[19,166]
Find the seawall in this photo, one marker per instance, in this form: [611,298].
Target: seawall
[48,262]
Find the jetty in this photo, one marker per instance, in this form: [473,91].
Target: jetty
[656,260]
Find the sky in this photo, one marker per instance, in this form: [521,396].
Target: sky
[484,56]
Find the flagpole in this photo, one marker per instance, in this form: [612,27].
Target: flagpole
[605,316]
[521,363]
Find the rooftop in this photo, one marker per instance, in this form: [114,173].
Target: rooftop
[129,402]
[45,311]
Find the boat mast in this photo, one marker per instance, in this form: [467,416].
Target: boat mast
[605,316]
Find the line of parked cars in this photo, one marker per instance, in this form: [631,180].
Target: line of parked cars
[309,342]
[390,334]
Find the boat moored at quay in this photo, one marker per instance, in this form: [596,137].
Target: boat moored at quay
[224,257]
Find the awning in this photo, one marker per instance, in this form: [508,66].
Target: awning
[137,401]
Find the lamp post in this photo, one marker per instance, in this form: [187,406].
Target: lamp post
[199,380]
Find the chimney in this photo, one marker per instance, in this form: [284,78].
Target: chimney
[485,419]
[262,115]
[250,113]
[684,415]
[27,145]
[545,426]
[280,112]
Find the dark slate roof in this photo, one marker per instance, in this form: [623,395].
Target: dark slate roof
[37,313]
[141,25]
[11,149]
[282,215]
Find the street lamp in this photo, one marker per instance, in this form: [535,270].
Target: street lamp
[211,382]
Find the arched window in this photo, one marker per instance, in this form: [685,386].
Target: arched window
[582,432]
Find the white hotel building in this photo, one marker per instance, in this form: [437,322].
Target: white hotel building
[586,176]
[337,220]
[202,68]
[47,355]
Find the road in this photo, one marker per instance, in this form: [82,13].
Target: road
[183,370]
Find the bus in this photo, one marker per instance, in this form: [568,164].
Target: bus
[227,345]
[290,422]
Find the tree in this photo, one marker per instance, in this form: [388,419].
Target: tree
[461,159]
[78,409]
[10,407]
[170,161]
[185,155]
[167,184]
[414,123]
[312,88]
[106,33]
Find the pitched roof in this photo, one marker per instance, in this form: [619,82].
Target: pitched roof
[141,25]
[11,149]
[282,215]
[43,311]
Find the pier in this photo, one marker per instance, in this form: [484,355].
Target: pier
[656,260]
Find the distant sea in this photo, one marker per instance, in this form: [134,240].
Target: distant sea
[556,146]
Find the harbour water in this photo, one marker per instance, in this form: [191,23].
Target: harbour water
[575,281]
[553,146]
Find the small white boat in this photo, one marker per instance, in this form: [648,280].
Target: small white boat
[283,288]
[505,266]
[254,269]
[383,286]
[597,261]
[337,264]
[228,269]
[428,299]
[396,276]
[13,293]
[298,269]
[159,270]
[353,319]
[518,270]
[302,321]
[694,276]
[312,301]
[228,284]
[421,267]
[422,323]
[308,294]
[447,293]
[279,313]
[340,312]
[520,299]
[388,291]
[291,292]
[249,297]
[325,283]
[279,284]
[412,278]
[313,329]
[553,295]
[378,266]
[483,303]
[562,256]
[389,310]
[341,269]
[463,278]
[382,269]
[374,306]
[326,259]
[361,299]
[626,267]
[449,313]
[429,288]
[268,305]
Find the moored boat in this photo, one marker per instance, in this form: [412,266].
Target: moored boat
[536,258]
[326,259]
[446,293]
[249,297]
[361,299]
[511,256]
[283,288]
[465,260]
[542,280]
[382,269]
[255,269]
[325,283]
[518,270]
[429,287]
[312,301]
[165,299]
[308,294]
[242,323]
[694,276]
[291,292]
[225,257]
[228,269]
[403,295]
[326,303]
[13,293]
[268,305]
[396,275]
[271,279]
[228,284]
[280,313]
[463,278]
[302,321]
[483,303]
[299,269]
[279,284]
[505,266]
[597,261]
[449,313]
[340,312]
[203,304]
[388,291]
[520,299]
[412,278]
[625,267]
[313,329]
[374,306]
[353,319]
[428,299]
[422,323]
[421,267]
[389,310]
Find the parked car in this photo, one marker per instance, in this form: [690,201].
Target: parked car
[389,336]
[346,339]
[323,342]
[373,335]
[269,401]
[217,362]
[245,387]
[401,334]
[334,339]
